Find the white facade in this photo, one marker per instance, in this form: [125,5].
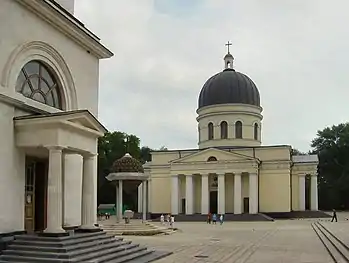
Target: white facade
[40,31]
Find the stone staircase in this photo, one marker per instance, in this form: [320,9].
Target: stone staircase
[134,228]
[336,244]
[77,247]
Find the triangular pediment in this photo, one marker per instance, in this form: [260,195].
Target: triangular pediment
[78,118]
[219,154]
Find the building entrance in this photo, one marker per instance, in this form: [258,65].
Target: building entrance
[213,202]
[36,172]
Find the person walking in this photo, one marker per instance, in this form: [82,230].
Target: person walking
[209,218]
[221,218]
[214,219]
[334,216]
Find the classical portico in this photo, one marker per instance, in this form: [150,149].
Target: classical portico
[69,141]
[217,184]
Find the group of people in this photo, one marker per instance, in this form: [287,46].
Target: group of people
[168,219]
[212,218]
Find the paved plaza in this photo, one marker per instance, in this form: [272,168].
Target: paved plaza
[283,241]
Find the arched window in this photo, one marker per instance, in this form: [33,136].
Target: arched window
[210,131]
[238,130]
[212,159]
[255,131]
[224,130]
[36,81]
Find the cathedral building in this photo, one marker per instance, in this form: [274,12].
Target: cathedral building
[49,75]
[231,172]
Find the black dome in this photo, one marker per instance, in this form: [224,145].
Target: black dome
[229,86]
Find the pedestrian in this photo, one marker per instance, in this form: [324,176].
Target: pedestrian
[172,221]
[334,215]
[162,219]
[214,219]
[209,218]
[221,219]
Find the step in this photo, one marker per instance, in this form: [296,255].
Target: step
[341,248]
[122,255]
[334,247]
[155,255]
[41,243]
[132,257]
[74,236]
[92,243]
[111,252]
[85,258]
[72,254]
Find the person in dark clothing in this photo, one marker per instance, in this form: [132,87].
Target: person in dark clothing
[334,216]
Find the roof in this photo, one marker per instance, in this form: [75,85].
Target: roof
[57,16]
[74,113]
[229,86]
[225,148]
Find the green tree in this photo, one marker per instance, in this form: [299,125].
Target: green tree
[332,146]
[163,148]
[112,146]
[145,155]
[296,152]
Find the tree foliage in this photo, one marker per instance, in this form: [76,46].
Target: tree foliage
[112,146]
[296,152]
[332,146]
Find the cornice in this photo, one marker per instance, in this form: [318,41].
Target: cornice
[240,112]
[61,21]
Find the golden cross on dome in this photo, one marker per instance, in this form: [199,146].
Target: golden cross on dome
[228,45]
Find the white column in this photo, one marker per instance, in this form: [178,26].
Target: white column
[221,193]
[253,193]
[89,198]
[116,201]
[120,203]
[205,196]
[54,192]
[313,193]
[140,194]
[149,196]
[189,195]
[144,203]
[237,194]
[301,182]
[72,189]
[174,195]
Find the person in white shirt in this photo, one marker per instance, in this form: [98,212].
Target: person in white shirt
[162,219]
[172,221]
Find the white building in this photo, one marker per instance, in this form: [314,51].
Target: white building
[49,77]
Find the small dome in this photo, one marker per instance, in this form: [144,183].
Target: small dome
[229,86]
[127,164]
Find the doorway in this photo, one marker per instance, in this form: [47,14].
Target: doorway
[246,205]
[35,210]
[307,192]
[213,202]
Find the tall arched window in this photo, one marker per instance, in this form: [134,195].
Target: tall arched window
[238,130]
[36,81]
[224,130]
[210,131]
[255,131]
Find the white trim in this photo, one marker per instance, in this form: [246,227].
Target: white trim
[61,21]
[38,50]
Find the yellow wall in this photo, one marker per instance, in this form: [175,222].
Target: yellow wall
[274,176]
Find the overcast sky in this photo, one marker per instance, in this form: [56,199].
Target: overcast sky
[296,51]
